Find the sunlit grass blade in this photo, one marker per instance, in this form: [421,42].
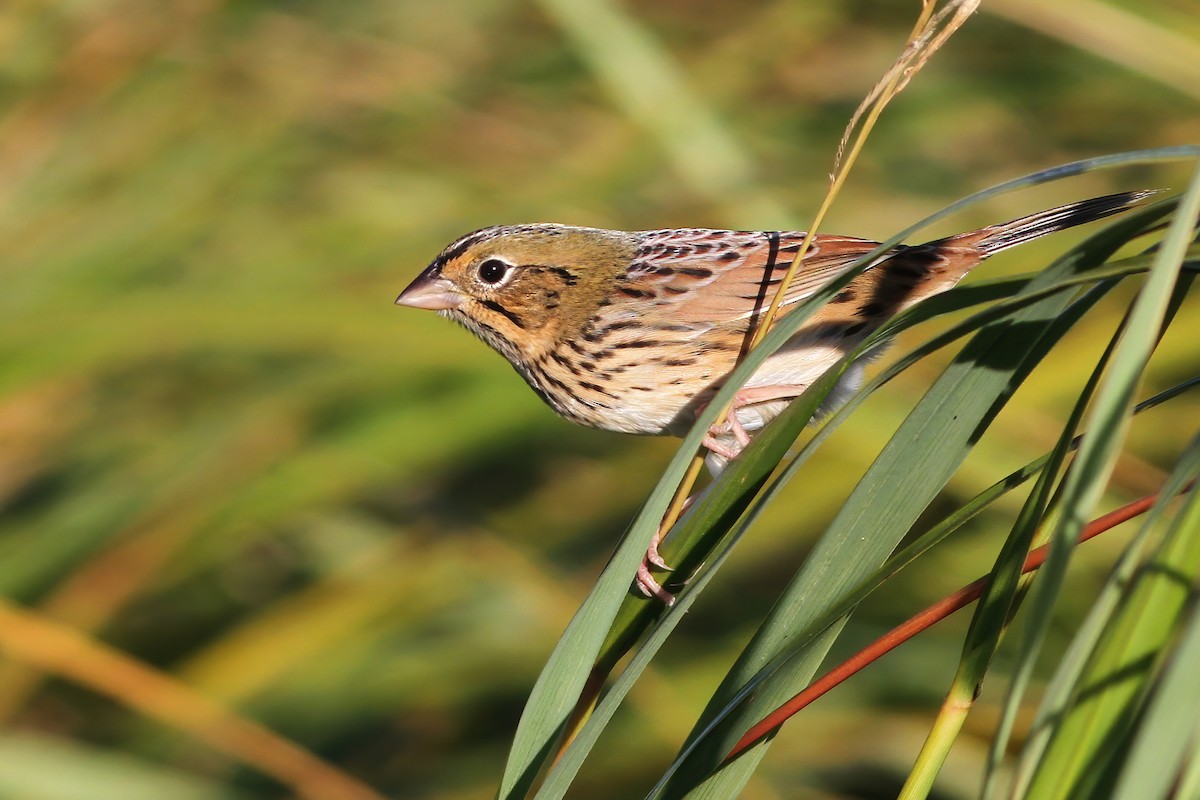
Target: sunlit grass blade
[1049,515]
[558,687]
[926,450]
[1107,421]
[1170,723]
[1072,664]
[997,604]
[636,613]
[1089,746]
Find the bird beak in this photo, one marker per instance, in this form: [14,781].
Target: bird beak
[430,291]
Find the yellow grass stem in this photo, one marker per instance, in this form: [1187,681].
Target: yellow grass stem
[927,37]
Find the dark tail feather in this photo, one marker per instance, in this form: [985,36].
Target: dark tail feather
[994,238]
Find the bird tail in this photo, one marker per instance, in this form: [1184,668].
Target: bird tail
[994,238]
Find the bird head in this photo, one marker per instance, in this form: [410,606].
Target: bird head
[522,287]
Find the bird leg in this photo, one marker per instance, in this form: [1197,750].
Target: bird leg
[646,583]
[711,444]
[649,586]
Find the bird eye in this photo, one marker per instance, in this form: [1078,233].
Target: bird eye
[493,270]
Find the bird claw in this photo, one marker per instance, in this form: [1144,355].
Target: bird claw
[652,556]
[724,451]
[646,583]
[648,586]
[733,425]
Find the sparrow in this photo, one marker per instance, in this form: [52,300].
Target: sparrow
[634,331]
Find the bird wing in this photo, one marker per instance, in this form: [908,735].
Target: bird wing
[706,278]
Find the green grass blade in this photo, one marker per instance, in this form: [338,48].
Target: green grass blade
[1067,675]
[1089,746]
[926,451]
[1107,423]
[997,604]
[1171,723]
[557,688]
[999,744]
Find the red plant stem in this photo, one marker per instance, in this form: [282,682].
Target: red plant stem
[922,621]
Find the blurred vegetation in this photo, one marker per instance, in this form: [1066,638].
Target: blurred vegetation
[224,452]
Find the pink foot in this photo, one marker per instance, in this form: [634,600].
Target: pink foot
[650,587]
[713,446]
[745,397]
[646,582]
[731,425]
[652,556]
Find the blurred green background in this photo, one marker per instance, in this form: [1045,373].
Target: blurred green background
[225,452]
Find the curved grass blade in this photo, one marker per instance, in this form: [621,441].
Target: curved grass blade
[1158,753]
[637,613]
[1090,745]
[557,688]
[997,603]
[928,448]
[1008,715]
[1057,693]
[1109,420]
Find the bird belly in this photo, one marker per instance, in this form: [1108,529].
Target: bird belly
[644,394]
[797,366]
[640,397]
